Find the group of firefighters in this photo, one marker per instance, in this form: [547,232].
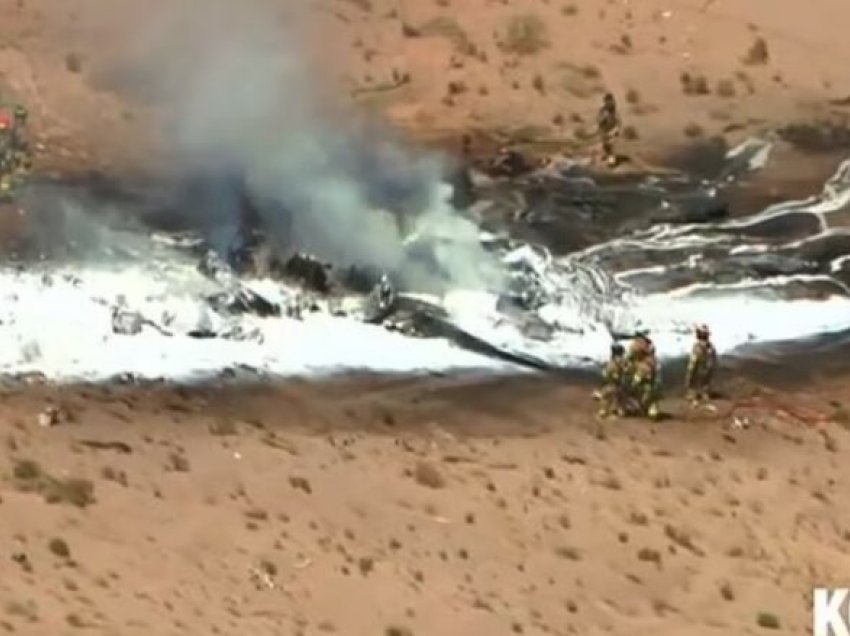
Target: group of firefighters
[15,155]
[631,384]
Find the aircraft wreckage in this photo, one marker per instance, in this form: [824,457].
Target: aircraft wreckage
[541,229]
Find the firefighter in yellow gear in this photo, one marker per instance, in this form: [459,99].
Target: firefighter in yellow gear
[701,366]
[643,381]
[6,156]
[612,394]
[608,125]
[20,146]
[645,387]
[640,348]
[15,151]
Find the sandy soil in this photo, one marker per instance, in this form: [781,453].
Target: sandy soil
[533,67]
[417,507]
[404,507]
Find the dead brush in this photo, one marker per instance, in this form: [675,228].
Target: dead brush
[30,477]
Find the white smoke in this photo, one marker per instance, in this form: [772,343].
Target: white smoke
[238,90]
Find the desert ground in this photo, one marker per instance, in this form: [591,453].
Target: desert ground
[514,71]
[405,506]
[438,506]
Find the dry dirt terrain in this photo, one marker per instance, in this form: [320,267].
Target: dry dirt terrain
[431,507]
[527,69]
[417,507]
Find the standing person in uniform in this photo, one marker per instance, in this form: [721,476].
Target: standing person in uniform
[643,380]
[612,395]
[645,385]
[6,154]
[701,365]
[640,348]
[6,136]
[21,151]
[608,125]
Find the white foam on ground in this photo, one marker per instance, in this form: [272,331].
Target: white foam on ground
[64,330]
[736,319]
[59,322]
[61,325]
[740,319]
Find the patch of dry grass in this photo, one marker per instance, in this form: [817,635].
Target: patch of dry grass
[694,84]
[582,82]
[450,29]
[426,474]
[74,63]
[568,552]
[693,131]
[59,547]
[630,133]
[767,620]
[757,54]
[26,610]
[29,476]
[538,84]
[363,5]
[725,88]
[223,427]
[525,35]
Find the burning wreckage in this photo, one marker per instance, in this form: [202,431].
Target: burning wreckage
[248,279]
[579,259]
[546,233]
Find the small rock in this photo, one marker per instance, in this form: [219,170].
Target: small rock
[23,560]
[49,417]
[59,547]
[257,514]
[639,519]
[177,463]
[650,555]
[427,475]
[300,483]
[767,620]
[566,552]
[366,565]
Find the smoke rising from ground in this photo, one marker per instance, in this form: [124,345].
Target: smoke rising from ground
[239,97]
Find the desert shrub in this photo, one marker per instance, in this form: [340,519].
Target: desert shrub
[525,35]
